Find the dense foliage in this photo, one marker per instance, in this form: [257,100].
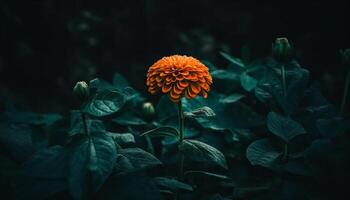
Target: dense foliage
[265,132]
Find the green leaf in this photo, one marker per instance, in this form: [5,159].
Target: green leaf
[139,158]
[44,174]
[90,164]
[200,112]
[129,119]
[200,152]
[171,184]
[248,82]
[105,103]
[123,138]
[163,132]
[232,98]
[261,152]
[120,81]
[236,61]
[100,84]
[47,163]
[284,127]
[17,141]
[204,173]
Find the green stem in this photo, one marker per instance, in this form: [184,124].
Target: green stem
[285,152]
[83,116]
[181,121]
[182,137]
[283,72]
[346,91]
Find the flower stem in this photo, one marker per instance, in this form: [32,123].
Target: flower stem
[83,116]
[182,136]
[181,121]
[285,152]
[346,92]
[283,72]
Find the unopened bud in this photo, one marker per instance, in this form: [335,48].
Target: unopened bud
[282,50]
[346,57]
[148,108]
[81,90]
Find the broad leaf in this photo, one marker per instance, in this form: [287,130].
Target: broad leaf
[123,138]
[105,103]
[200,152]
[90,164]
[261,152]
[248,82]
[171,184]
[284,127]
[139,158]
[163,131]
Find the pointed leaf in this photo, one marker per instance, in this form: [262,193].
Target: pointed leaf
[163,131]
[171,184]
[200,152]
[261,152]
[284,127]
[105,103]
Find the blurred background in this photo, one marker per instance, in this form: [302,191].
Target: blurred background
[48,45]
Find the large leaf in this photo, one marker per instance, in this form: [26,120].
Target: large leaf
[248,82]
[284,127]
[17,141]
[200,152]
[163,131]
[50,163]
[104,103]
[261,152]
[171,184]
[270,90]
[44,174]
[90,164]
[139,158]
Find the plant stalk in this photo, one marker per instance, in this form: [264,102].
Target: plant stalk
[182,137]
[283,72]
[83,116]
[345,94]
[285,152]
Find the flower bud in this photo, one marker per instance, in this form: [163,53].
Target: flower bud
[282,50]
[148,108]
[346,57]
[81,90]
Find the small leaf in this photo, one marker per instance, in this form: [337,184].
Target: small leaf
[139,158]
[261,152]
[232,98]
[235,61]
[105,103]
[284,127]
[163,131]
[200,112]
[171,184]
[201,152]
[248,82]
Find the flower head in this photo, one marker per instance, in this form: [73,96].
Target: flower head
[282,50]
[179,76]
[81,90]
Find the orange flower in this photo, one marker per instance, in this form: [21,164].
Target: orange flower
[179,76]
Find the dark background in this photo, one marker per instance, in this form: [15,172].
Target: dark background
[48,45]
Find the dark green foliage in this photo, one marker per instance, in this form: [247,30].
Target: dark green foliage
[249,140]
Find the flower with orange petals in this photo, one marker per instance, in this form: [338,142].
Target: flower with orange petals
[179,76]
